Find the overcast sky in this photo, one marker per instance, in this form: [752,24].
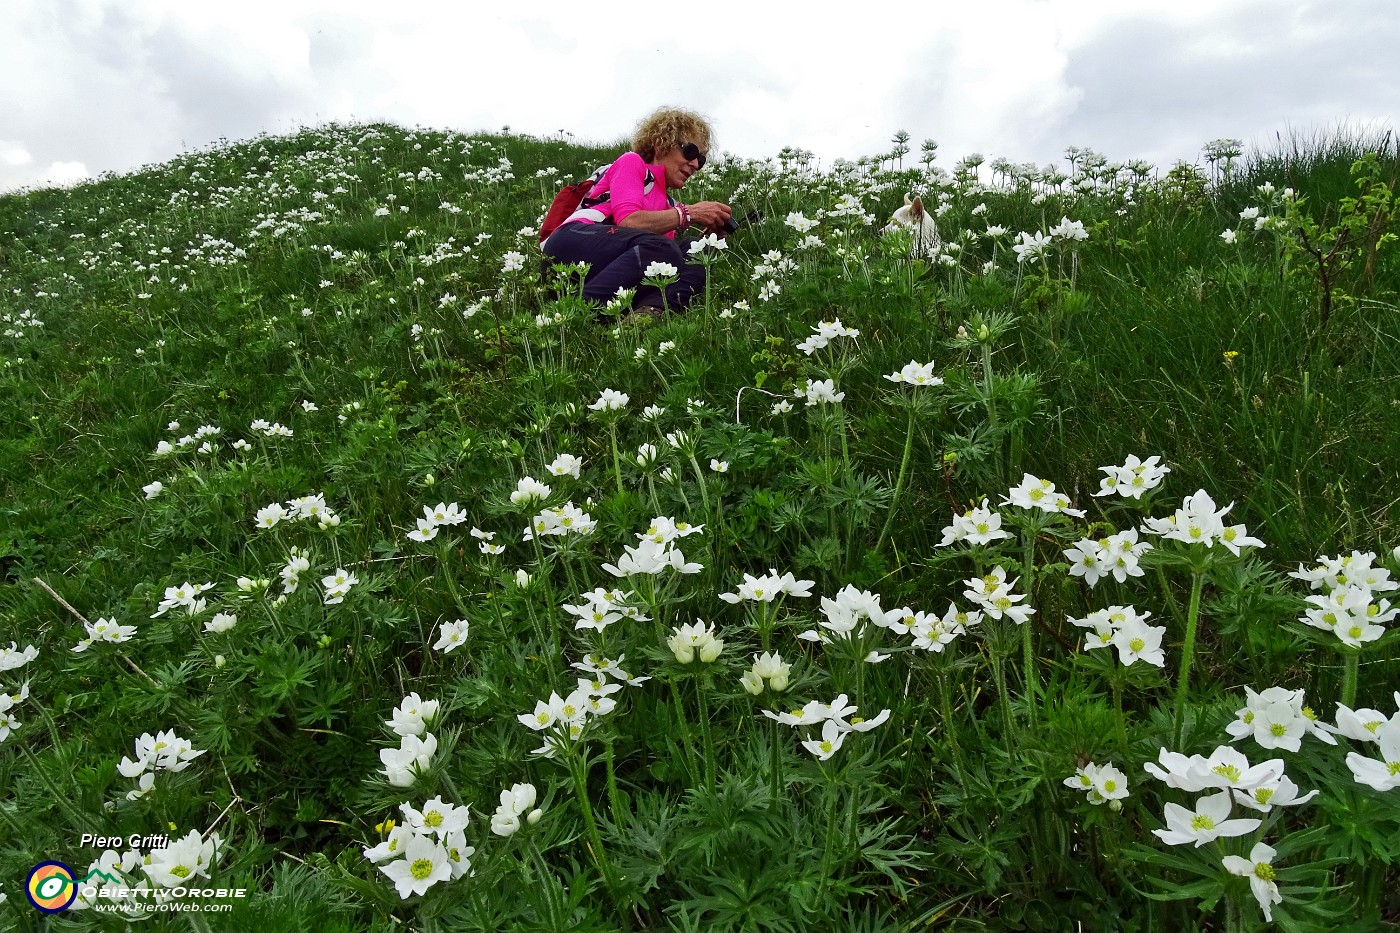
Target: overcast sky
[98,85]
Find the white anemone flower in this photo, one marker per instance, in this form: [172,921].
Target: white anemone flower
[451,635]
[1382,775]
[424,863]
[1259,869]
[1208,822]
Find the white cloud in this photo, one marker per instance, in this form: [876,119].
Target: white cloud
[64,173]
[14,154]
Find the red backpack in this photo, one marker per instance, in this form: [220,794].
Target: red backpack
[575,197]
[567,201]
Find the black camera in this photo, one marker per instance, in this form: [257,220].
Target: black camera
[749,219]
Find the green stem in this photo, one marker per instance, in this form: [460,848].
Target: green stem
[544,878]
[614,798]
[577,766]
[445,568]
[999,675]
[765,628]
[899,481]
[1352,661]
[825,872]
[705,731]
[617,460]
[685,732]
[704,492]
[1032,677]
[1170,597]
[852,823]
[945,700]
[1188,648]
[775,777]
[452,789]
[845,447]
[1117,682]
[651,489]
[987,387]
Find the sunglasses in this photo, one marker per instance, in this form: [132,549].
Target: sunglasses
[692,153]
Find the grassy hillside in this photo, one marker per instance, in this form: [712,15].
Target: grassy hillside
[354,322]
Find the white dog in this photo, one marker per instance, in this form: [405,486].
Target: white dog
[912,216]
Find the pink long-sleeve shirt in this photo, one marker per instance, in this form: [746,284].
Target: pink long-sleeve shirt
[625,185]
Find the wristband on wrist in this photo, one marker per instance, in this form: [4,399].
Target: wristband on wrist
[680,218]
[685,212]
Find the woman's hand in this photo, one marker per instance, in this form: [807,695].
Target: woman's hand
[710,214]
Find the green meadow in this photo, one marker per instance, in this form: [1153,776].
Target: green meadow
[1036,582]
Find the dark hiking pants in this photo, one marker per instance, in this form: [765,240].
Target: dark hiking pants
[618,257]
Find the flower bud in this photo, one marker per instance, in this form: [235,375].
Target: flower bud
[711,649]
[218,661]
[751,683]
[534,816]
[522,579]
[779,681]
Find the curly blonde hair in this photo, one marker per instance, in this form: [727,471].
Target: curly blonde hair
[669,128]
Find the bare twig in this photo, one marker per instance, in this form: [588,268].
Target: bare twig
[231,804]
[83,619]
[61,601]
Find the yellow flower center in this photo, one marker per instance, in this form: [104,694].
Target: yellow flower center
[1277,729]
[1263,871]
[1229,772]
[1202,821]
[421,868]
[180,871]
[432,818]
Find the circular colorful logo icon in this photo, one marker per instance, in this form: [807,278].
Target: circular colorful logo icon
[51,887]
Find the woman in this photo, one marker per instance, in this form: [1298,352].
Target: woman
[629,221]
